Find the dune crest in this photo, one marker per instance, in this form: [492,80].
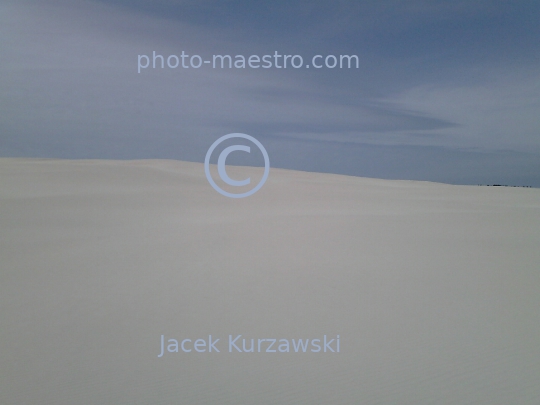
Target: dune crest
[433,289]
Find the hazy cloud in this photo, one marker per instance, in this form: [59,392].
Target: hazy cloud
[456,79]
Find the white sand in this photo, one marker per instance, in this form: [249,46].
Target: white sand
[434,289]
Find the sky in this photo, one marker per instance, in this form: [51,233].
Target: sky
[445,91]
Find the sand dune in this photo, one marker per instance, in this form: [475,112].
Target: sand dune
[433,289]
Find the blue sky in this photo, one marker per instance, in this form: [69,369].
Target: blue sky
[446,90]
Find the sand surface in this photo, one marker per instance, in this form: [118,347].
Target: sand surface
[433,289]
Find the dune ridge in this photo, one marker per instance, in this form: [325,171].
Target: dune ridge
[434,289]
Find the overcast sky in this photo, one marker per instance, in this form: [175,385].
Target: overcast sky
[445,90]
